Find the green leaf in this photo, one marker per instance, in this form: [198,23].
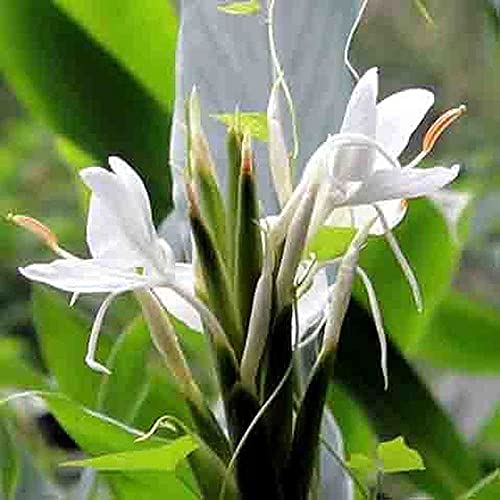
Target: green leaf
[128,363]
[424,12]
[462,335]
[486,489]
[357,431]
[63,336]
[9,461]
[253,122]
[14,371]
[451,467]
[396,456]
[330,242]
[363,465]
[489,436]
[161,458]
[241,8]
[97,434]
[66,78]
[150,29]
[433,254]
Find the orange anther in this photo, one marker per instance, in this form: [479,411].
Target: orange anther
[36,227]
[440,125]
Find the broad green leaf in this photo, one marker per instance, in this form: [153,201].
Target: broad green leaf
[462,335]
[120,392]
[66,78]
[486,489]
[241,8]
[330,242]
[15,372]
[161,458]
[63,336]
[396,456]
[451,468]
[357,431]
[97,434]
[9,461]
[426,241]
[252,122]
[141,39]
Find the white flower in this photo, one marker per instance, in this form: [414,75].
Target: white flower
[127,253]
[358,167]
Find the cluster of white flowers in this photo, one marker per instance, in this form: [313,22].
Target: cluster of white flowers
[355,179]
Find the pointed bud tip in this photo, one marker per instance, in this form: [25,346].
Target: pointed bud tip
[247,155]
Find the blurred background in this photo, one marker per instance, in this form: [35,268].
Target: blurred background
[451,46]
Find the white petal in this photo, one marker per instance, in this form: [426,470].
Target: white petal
[359,216]
[119,223]
[355,163]
[312,304]
[176,305]
[279,163]
[406,183]
[399,115]
[87,276]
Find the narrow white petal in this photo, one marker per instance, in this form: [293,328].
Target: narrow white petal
[406,183]
[311,304]
[279,163]
[402,261]
[355,163]
[87,276]
[94,336]
[399,115]
[356,217]
[379,325]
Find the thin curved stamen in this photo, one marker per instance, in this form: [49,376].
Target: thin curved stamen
[94,336]
[401,259]
[350,37]
[377,318]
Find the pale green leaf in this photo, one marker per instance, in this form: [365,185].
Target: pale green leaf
[253,122]
[241,8]
[161,458]
[330,242]
[9,461]
[396,456]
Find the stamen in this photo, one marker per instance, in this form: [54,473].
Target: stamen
[42,232]
[402,261]
[377,318]
[440,125]
[94,336]
[35,227]
[163,422]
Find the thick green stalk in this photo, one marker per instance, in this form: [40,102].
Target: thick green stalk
[248,243]
[279,415]
[256,473]
[218,288]
[304,450]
